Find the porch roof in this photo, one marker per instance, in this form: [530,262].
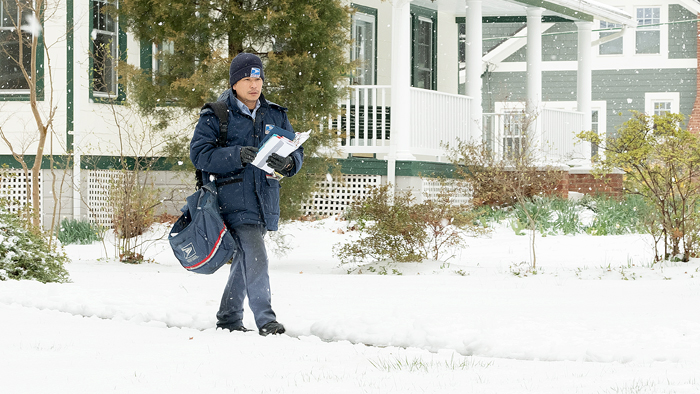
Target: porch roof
[582,10]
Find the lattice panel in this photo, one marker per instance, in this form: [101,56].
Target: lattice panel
[98,195]
[334,197]
[432,188]
[13,187]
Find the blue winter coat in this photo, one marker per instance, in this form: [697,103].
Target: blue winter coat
[247,195]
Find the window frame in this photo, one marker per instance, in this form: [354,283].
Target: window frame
[644,27]
[119,34]
[24,94]
[602,34]
[651,98]
[370,15]
[419,14]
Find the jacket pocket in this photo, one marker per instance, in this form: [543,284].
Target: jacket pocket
[231,196]
[271,198]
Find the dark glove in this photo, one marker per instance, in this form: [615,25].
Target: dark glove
[279,163]
[248,154]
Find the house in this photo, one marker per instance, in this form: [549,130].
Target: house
[642,56]
[421,83]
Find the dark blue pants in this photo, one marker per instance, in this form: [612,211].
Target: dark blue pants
[248,277]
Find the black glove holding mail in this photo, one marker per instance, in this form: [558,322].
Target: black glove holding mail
[248,154]
[279,163]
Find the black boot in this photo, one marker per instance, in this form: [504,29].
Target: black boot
[233,328]
[272,328]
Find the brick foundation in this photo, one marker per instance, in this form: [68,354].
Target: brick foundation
[610,185]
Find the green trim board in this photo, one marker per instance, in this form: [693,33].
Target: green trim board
[417,12]
[354,166]
[514,19]
[70,85]
[91,162]
[357,166]
[374,13]
[60,161]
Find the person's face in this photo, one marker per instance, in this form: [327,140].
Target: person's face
[248,90]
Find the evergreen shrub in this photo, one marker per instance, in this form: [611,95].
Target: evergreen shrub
[25,254]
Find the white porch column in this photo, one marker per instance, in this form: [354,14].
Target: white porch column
[533,103]
[400,148]
[473,67]
[584,84]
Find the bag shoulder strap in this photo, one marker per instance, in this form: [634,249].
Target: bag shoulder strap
[221,111]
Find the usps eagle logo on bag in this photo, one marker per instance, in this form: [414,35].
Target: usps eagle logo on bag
[190,253]
[254,72]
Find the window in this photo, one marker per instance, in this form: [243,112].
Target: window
[595,127]
[15,49]
[105,45]
[661,107]
[661,103]
[648,39]
[514,134]
[613,47]
[364,44]
[160,62]
[461,58]
[424,48]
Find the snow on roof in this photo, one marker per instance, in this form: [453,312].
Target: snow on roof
[598,10]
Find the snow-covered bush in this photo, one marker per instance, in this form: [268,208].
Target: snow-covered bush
[26,255]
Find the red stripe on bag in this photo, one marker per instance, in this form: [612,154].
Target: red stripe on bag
[213,251]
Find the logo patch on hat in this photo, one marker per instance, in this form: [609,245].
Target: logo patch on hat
[254,72]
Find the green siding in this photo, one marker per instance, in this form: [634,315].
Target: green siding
[682,37]
[560,47]
[518,56]
[616,87]
[492,30]
[560,9]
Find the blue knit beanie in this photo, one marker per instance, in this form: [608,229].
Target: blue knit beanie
[245,65]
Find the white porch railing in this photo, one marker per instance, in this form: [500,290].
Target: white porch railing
[505,133]
[364,125]
[364,122]
[437,118]
[559,129]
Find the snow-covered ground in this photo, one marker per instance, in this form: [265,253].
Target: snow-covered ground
[597,317]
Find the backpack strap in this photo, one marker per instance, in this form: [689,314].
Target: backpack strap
[221,111]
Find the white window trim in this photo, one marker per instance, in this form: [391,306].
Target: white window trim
[651,98]
[600,36]
[115,50]
[663,29]
[369,18]
[8,92]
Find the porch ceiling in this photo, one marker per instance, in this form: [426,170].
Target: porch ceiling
[570,9]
